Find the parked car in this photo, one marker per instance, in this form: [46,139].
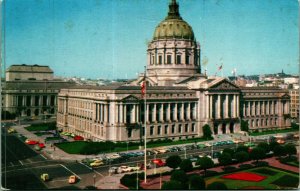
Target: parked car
[134,168]
[142,166]
[113,170]
[45,177]
[113,156]
[37,148]
[96,163]
[42,145]
[11,130]
[78,138]
[208,144]
[31,142]
[201,146]
[124,168]
[72,179]
[158,162]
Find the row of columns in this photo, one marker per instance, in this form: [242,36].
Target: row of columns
[214,102]
[101,112]
[162,108]
[252,108]
[263,122]
[32,100]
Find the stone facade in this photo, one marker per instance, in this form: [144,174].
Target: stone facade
[294,108]
[179,99]
[31,94]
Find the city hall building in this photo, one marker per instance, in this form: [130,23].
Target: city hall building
[180,98]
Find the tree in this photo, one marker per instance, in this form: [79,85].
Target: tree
[290,149]
[205,163]
[196,182]
[295,126]
[216,186]
[225,159]
[186,165]
[244,125]
[180,176]
[272,145]
[279,151]
[172,185]
[229,151]
[173,161]
[241,156]
[206,131]
[264,146]
[242,148]
[257,154]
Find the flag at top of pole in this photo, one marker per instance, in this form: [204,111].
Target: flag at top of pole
[143,88]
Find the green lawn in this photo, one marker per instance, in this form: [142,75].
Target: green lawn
[72,147]
[293,163]
[273,132]
[271,182]
[41,127]
[77,147]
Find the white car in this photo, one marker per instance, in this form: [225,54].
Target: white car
[122,169]
[113,156]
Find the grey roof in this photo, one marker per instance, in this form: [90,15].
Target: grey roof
[29,68]
[29,85]
[124,87]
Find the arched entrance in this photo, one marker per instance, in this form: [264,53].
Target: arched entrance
[231,127]
[224,128]
[28,112]
[36,112]
[215,128]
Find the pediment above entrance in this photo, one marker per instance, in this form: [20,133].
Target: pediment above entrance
[285,96]
[130,98]
[224,85]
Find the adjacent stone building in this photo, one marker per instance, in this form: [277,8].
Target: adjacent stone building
[30,91]
[180,99]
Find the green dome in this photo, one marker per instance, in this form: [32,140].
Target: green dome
[173,26]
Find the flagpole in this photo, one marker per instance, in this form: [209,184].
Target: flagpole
[145,130]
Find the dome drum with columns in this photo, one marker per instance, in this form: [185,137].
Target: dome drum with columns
[173,54]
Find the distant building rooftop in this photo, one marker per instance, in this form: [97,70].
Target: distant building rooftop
[29,68]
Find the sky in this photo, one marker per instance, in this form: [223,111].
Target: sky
[108,38]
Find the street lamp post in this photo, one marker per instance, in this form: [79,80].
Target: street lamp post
[94,180]
[155,164]
[184,152]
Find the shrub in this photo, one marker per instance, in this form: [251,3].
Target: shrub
[229,151]
[244,166]
[229,168]
[216,186]
[206,131]
[261,163]
[172,185]
[241,156]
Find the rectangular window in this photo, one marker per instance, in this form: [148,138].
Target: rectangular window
[159,130]
[186,128]
[178,59]
[179,128]
[187,59]
[169,59]
[173,129]
[166,129]
[151,130]
[159,60]
[193,127]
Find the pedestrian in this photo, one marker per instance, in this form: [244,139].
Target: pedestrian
[54,148]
